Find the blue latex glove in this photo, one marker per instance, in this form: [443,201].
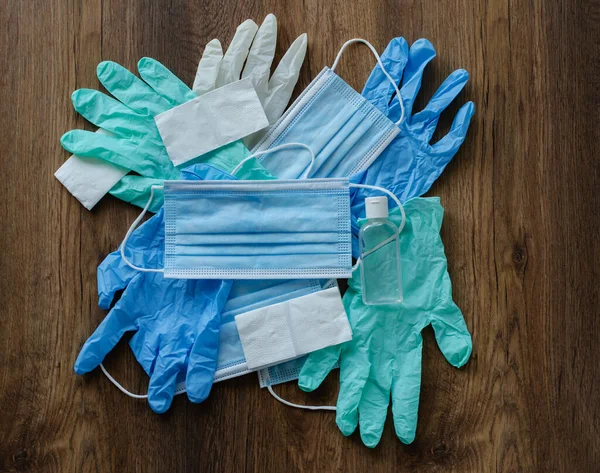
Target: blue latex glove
[176,320]
[383,359]
[410,165]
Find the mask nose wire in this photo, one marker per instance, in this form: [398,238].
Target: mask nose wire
[374,51]
[277,148]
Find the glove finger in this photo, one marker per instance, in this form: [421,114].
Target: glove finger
[260,57]
[112,276]
[203,363]
[136,190]
[208,68]
[204,353]
[284,79]
[117,151]
[108,113]
[446,147]
[452,334]
[130,90]
[406,388]
[317,366]
[378,90]
[354,372]
[164,82]
[419,55]
[236,54]
[373,407]
[118,321]
[446,93]
[169,364]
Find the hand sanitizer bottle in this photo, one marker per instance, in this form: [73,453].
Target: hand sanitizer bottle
[379,244]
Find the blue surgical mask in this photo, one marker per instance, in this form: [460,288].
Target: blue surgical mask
[257,229]
[344,129]
[297,229]
[281,373]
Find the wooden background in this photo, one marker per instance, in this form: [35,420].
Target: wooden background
[521,233]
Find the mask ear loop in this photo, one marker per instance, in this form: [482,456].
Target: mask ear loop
[374,51]
[299,406]
[182,391]
[276,148]
[121,388]
[125,391]
[130,231]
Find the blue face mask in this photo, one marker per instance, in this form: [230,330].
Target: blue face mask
[344,129]
[296,229]
[257,229]
[281,373]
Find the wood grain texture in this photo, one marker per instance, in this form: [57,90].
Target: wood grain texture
[521,232]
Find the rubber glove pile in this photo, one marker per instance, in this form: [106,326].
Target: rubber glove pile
[183,338]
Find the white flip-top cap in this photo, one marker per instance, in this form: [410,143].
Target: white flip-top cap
[376,207]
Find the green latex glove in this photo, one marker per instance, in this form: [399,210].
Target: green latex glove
[384,356]
[134,142]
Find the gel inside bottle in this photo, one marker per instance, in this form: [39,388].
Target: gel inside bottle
[379,244]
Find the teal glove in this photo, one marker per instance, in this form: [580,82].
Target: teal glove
[384,355]
[134,142]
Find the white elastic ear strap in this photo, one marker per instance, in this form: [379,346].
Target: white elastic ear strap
[129,393]
[277,148]
[299,406]
[374,51]
[145,396]
[130,231]
[121,388]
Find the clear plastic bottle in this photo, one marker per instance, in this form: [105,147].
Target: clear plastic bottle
[380,271]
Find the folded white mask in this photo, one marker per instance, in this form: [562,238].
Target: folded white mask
[293,328]
[89,179]
[210,121]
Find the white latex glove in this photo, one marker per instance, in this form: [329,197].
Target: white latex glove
[254,47]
